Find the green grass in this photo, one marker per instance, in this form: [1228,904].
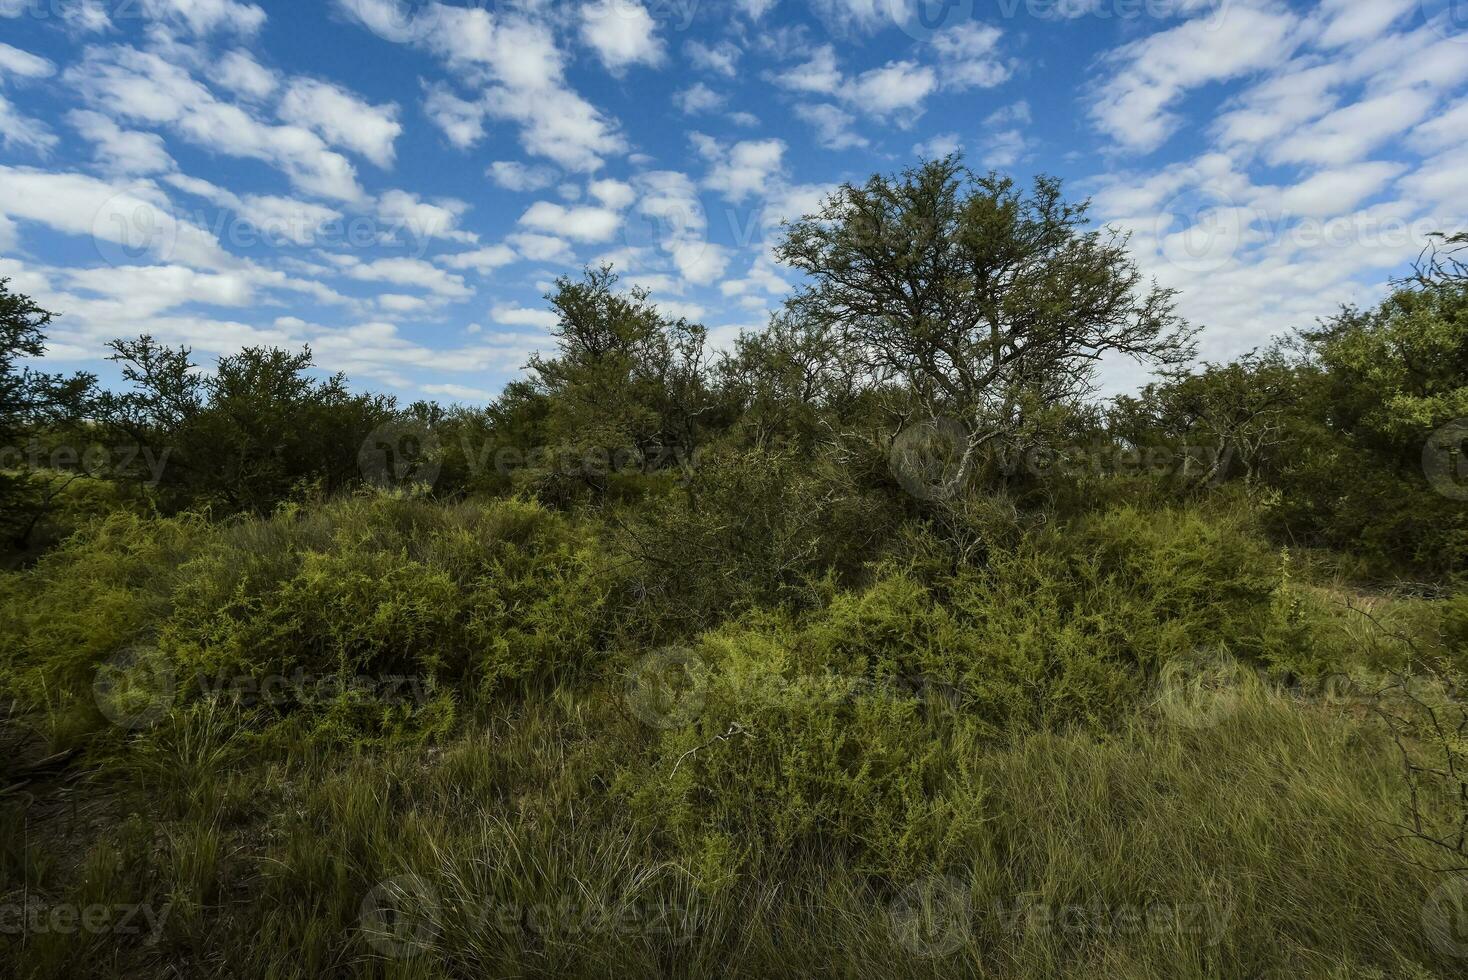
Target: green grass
[1108,750]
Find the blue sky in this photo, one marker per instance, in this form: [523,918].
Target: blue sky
[396,183]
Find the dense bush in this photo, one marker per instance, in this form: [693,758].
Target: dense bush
[853,727]
[373,614]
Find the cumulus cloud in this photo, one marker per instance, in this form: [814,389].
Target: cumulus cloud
[882,92]
[145,88]
[622,33]
[1135,104]
[696,99]
[120,151]
[580,224]
[523,75]
[343,119]
[745,168]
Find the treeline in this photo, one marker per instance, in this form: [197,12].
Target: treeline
[944,342]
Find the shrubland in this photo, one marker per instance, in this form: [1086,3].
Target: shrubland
[875,646]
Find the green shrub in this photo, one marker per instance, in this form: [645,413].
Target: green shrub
[752,529]
[374,614]
[851,728]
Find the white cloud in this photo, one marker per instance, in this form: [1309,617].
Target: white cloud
[721,58]
[696,99]
[410,217]
[622,33]
[542,248]
[521,316]
[146,88]
[755,9]
[275,220]
[14,61]
[483,260]
[968,53]
[126,221]
[1350,133]
[938,147]
[1006,143]
[1333,192]
[897,85]
[580,224]
[341,118]
[207,16]
[403,272]
[1444,130]
[746,168]
[1135,106]
[614,194]
[832,126]
[1351,21]
[120,151]
[239,72]
[515,176]
[18,130]
[522,72]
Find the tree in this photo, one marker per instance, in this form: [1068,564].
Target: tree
[29,400]
[781,383]
[1238,412]
[984,302]
[244,437]
[626,380]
